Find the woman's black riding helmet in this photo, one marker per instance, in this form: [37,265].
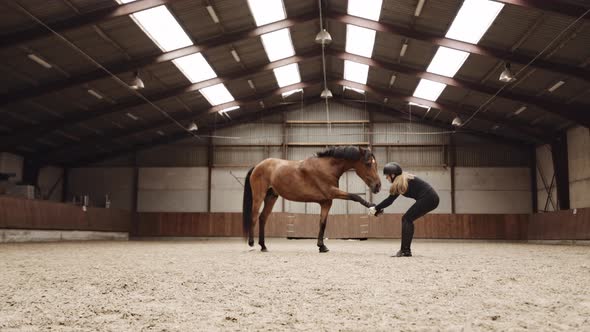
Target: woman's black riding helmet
[393,169]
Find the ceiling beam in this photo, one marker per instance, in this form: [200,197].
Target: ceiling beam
[491,52]
[26,135]
[245,117]
[95,17]
[49,156]
[576,113]
[452,108]
[132,65]
[551,6]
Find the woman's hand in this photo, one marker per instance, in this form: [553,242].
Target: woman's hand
[372,211]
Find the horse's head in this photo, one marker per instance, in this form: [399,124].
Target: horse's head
[366,169]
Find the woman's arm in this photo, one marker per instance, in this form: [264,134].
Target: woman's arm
[386,202]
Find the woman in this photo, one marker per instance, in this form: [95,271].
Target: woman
[408,185]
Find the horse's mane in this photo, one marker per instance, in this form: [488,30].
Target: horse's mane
[340,152]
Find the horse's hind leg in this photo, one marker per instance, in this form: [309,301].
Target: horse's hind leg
[269,202]
[258,194]
[326,205]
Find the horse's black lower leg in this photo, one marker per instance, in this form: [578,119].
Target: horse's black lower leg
[261,234]
[323,221]
[269,202]
[321,244]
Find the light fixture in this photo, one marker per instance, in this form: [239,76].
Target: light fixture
[193,127]
[344,88]
[520,110]
[159,132]
[556,86]
[457,122]
[95,94]
[323,37]
[326,93]
[385,100]
[291,92]
[131,116]
[235,55]
[137,83]
[402,52]
[261,103]
[40,61]
[251,84]
[392,80]
[419,8]
[213,14]
[506,76]
[495,127]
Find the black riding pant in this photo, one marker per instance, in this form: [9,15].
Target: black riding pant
[422,206]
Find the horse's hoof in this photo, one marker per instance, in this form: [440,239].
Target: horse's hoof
[263,249]
[323,248]
[251,243]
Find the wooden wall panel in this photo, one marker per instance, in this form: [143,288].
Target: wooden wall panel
[435,226]
[560,225]
[33,214]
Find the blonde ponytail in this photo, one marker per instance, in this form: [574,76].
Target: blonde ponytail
[400,184]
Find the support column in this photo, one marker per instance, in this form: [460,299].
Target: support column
[209,171]
[452,164]
[64,184]
[560,166]
[533,170]
[134,208]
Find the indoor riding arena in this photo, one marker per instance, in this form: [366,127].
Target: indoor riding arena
[227,165]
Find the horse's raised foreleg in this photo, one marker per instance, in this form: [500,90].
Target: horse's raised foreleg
[337,193]
[325,205]
[269,202]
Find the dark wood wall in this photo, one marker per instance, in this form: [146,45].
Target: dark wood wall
[560,225]
[439,226]
[33,214]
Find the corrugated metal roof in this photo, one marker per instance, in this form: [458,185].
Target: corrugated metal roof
[514,22]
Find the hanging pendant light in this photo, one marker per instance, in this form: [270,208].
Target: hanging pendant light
[326,93]
[506,76]
[193,127]
[323,37]
[137,83]
[457,122]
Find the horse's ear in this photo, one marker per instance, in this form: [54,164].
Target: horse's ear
[362,150]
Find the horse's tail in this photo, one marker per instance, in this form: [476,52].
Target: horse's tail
[247,206]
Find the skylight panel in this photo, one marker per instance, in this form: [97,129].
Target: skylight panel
[278,44]
[217,94]
[473,20]
[159,24]
[369,9]
[267,11]
[447,61]
[429,90]
[356,72]
[195,67]
[359,40]
[287,75]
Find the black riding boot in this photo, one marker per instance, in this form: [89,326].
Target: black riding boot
[407,235]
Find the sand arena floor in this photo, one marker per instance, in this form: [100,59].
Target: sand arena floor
[218,284]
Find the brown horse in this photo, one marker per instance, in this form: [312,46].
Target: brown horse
[314,179]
